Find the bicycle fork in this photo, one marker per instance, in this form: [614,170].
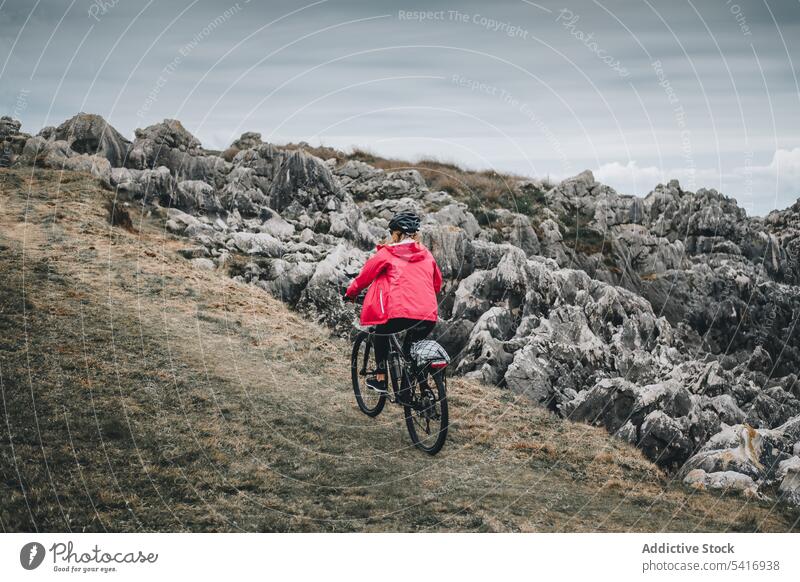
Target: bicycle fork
[363,370]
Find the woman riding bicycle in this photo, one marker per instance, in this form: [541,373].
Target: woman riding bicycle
[403,280]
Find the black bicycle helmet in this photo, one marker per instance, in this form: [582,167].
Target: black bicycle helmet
[406,222]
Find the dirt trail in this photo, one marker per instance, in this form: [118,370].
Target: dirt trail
[142,394]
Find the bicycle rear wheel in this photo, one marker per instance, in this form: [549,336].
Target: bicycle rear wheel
[427,415]
[362,361]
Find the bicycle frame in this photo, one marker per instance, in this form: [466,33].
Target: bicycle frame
[397,367]
[400,369]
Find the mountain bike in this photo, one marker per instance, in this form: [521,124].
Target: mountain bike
[417,383]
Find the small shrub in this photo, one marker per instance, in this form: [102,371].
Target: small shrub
[229,154]
[585,240]
[487,218]
[118,214]
[236,265]
[527,201]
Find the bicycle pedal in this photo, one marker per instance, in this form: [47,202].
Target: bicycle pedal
[375,386]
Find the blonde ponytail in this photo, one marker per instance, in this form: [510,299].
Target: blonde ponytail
[398,236]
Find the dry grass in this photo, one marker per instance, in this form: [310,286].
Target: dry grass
[142,395]
[482,191]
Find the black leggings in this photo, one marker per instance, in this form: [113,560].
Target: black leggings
[417,329]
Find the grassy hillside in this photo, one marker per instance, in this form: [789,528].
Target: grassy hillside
[140,394]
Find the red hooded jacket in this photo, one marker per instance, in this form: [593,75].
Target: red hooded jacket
[405,280]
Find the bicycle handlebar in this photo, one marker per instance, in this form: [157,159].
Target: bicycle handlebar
[357,300]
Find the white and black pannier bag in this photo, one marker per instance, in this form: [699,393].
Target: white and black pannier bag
[429,352]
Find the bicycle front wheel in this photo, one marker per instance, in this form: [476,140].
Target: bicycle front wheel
[362,362]
[427,415]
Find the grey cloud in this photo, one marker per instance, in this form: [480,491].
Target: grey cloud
[241,82]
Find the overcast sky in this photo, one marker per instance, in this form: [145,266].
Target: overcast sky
[639,92]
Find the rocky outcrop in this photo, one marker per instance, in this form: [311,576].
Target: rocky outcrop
[9,127]
[171,145]
[12,141]
[695,256]
[741,449]
[145,185]
[366,183]
[92,135]
[59,156]
[303,185]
